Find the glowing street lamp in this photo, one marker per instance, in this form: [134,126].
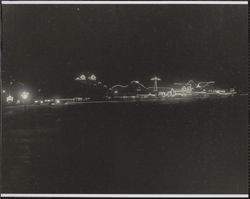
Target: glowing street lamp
[4,91]
[25,95]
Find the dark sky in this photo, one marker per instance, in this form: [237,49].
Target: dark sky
[48,46]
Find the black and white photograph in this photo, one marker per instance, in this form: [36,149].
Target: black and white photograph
[124,98]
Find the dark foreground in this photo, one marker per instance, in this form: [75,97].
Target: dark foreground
[192,147]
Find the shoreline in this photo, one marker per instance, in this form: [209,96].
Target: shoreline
[174,100]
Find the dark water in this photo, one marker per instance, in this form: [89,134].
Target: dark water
[192,147]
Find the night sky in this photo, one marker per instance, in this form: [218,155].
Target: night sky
[46,47]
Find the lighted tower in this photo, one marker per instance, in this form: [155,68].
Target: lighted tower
[155,79]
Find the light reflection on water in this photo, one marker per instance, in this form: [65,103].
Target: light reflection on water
[194,147]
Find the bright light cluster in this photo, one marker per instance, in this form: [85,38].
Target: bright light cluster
[25,95]
[82,77]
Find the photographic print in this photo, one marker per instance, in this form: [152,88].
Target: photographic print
[112,98]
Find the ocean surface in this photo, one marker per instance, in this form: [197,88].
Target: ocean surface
[137,147]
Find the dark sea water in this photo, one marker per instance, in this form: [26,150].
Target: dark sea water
[189,147]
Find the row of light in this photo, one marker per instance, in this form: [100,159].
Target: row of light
[83,77]
[57,101]
[24,96]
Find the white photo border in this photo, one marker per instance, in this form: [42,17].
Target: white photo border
[17,195]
